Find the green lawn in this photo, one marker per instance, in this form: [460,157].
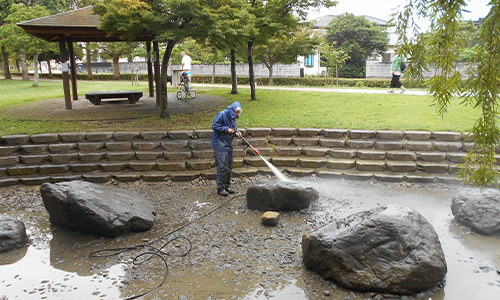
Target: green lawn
[349,111]
[272,109]
[18,92]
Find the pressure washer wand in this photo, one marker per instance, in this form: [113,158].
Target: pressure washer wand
[248,145]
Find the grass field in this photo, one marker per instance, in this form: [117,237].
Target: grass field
[18,92]
[272,109]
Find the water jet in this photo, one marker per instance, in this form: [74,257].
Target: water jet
[279,175]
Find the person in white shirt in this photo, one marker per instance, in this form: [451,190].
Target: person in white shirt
[186,64]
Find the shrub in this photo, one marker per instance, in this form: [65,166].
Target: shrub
[278,81]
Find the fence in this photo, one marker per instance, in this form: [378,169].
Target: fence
[260,70]
[374,69]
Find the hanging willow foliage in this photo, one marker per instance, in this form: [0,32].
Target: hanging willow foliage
[440,47]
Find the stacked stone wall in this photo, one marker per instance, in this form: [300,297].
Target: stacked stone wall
[184,155]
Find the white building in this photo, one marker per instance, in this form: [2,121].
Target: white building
[311,64]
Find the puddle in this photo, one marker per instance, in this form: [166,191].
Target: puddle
[233,256]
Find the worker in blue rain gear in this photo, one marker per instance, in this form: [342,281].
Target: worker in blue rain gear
[225,129]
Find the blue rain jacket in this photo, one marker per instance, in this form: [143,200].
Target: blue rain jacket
[221,140]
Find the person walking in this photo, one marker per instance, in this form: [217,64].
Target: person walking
[396,72]
[225,129]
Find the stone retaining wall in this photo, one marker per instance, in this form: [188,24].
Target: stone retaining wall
[420,156]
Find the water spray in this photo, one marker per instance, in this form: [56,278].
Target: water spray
[277,173]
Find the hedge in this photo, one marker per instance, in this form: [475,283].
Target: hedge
[278,81]
[312,81]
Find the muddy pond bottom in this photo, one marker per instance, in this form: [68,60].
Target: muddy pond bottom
[232,256]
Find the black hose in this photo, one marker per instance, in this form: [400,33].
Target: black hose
[233,171]
[158,252]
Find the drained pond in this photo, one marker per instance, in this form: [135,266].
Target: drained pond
[228,254]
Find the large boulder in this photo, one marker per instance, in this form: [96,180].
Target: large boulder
[12,233]
[478,208]
[281,195]
[388,249]
[95,209]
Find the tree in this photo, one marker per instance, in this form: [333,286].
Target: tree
[469,33]
[52,54]
[285,46]
[15,40]
[358,38]
[213,56]
[171,21]
[54,6]
[190,46]
[200,52]
[232,24]
[332,56]
[115,50]
[441,50]
[4,13]
[91,49]
[271,17]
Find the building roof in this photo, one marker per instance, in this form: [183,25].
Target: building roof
[80,25]
[322,22]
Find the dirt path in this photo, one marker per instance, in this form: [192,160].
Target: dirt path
[320,89]
[84,110]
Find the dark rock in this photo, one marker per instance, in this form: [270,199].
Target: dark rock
[387,249]
[12,233]
[478,208]
[90,208]
[282,195]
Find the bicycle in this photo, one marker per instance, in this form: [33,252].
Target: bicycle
[183,94]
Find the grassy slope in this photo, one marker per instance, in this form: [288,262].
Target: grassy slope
[350,111]
[273,109]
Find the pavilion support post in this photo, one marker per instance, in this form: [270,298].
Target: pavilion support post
[65,69]
[150,70]
[73,69]
[157,72]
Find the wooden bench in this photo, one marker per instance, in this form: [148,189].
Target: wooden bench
[95,97]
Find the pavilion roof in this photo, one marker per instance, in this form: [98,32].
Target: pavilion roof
[80,25]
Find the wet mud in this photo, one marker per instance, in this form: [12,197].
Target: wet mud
[232,256]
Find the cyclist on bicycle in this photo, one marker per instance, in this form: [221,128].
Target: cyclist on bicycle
[186,83]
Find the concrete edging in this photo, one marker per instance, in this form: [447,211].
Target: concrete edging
[180,155]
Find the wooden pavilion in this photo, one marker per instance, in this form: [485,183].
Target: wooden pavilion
[82,25]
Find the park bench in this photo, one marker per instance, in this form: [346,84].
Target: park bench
[96,97]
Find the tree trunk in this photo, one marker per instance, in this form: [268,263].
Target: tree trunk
[6,67]
[234,80]
[35,77]
[18,68]
[250,71]
[89,60]
[116,67]
[271,81]
[163,79]
[24,66]
[337,73]
[213,72]
[49,68]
